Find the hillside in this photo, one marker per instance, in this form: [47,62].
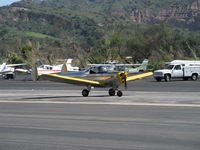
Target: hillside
[181,13]
[47,29]
[97,30]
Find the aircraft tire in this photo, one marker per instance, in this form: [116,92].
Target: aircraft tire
[12,77]
[119,93]
[9,76]
[85,92]
[111,92]
[5,77]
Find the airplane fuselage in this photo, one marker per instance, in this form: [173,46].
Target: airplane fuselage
[108,79]
[47,69]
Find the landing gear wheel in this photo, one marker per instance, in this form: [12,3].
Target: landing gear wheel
[119,93]
[167,78]
[111,92]
[9,76]
[85,92]
[194,77]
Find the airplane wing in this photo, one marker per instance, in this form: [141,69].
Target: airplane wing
[15,65]
[85,82]
[128,65]
[114,64]
[97,65]
[70,80]
[135,77]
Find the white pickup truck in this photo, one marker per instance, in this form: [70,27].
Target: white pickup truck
[179,69]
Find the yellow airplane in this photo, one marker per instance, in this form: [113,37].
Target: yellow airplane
[93,77]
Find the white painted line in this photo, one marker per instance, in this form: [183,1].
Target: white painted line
[104,103]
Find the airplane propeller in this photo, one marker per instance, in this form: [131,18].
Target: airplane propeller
[122,76]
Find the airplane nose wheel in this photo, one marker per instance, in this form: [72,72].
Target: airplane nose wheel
[119,93]
[85,92]
[111,92]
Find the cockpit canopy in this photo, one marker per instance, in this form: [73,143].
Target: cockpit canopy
[99,69]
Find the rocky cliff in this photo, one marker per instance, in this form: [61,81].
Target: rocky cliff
[178,13]
[195,5]
[175,14]
[140,16]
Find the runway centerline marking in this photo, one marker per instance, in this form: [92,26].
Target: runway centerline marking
[104,103]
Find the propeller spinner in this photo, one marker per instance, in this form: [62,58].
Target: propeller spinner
[122,76]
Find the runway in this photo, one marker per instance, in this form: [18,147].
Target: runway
[97,127]
[54,116]
[190,99]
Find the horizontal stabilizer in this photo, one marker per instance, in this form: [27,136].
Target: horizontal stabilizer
[23,70]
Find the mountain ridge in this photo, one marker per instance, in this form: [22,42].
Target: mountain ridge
[180,13]
[78,28]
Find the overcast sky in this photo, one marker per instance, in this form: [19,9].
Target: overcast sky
[7,2]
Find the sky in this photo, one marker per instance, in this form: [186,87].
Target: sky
[7,2]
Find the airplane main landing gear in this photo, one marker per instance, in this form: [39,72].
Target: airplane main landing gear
[119,93]
[111,92]
[85,92]
[9,76]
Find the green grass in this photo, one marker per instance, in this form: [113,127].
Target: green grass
[37,35]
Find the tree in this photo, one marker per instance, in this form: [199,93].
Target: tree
[114,44]
[26,51]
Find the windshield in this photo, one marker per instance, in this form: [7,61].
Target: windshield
[169,67]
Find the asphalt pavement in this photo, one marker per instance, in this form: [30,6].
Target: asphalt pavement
[54,116]
[98,127]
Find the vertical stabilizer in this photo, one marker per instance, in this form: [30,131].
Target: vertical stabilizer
[143,66]
[38,62]
[2,67]
[69,61]
[145,62]
[69,64]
